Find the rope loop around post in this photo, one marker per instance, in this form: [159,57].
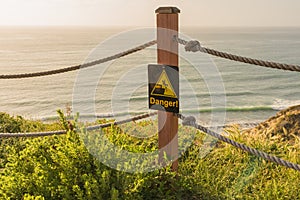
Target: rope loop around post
[189,121]
[193,46]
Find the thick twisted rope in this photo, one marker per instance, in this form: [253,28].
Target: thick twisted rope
[77,67]
[195,46]
[89,128]
[139,117]
[35,134]
[191,121]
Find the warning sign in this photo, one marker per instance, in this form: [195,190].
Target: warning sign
[163,88]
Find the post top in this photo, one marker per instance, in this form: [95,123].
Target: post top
[167,10]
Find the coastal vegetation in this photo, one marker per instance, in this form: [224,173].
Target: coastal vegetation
[61,167]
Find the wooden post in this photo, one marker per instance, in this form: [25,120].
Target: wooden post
[167,53]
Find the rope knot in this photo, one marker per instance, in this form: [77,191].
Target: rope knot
[189,121]
[193,46]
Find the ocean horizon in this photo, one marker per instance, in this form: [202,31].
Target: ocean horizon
[252,93]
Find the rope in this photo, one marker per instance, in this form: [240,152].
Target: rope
[195,46]
[191,121]
[139,117]
[77,67]
[89,128]
[36,134]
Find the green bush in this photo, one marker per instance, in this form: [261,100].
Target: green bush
[61,167]
[9,124]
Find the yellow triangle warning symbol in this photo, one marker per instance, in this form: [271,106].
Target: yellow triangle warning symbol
[163,87]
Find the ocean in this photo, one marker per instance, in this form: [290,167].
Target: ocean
[236,92]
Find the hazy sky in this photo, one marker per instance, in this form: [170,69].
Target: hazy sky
[141,12]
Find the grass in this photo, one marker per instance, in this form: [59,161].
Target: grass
[61,167]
